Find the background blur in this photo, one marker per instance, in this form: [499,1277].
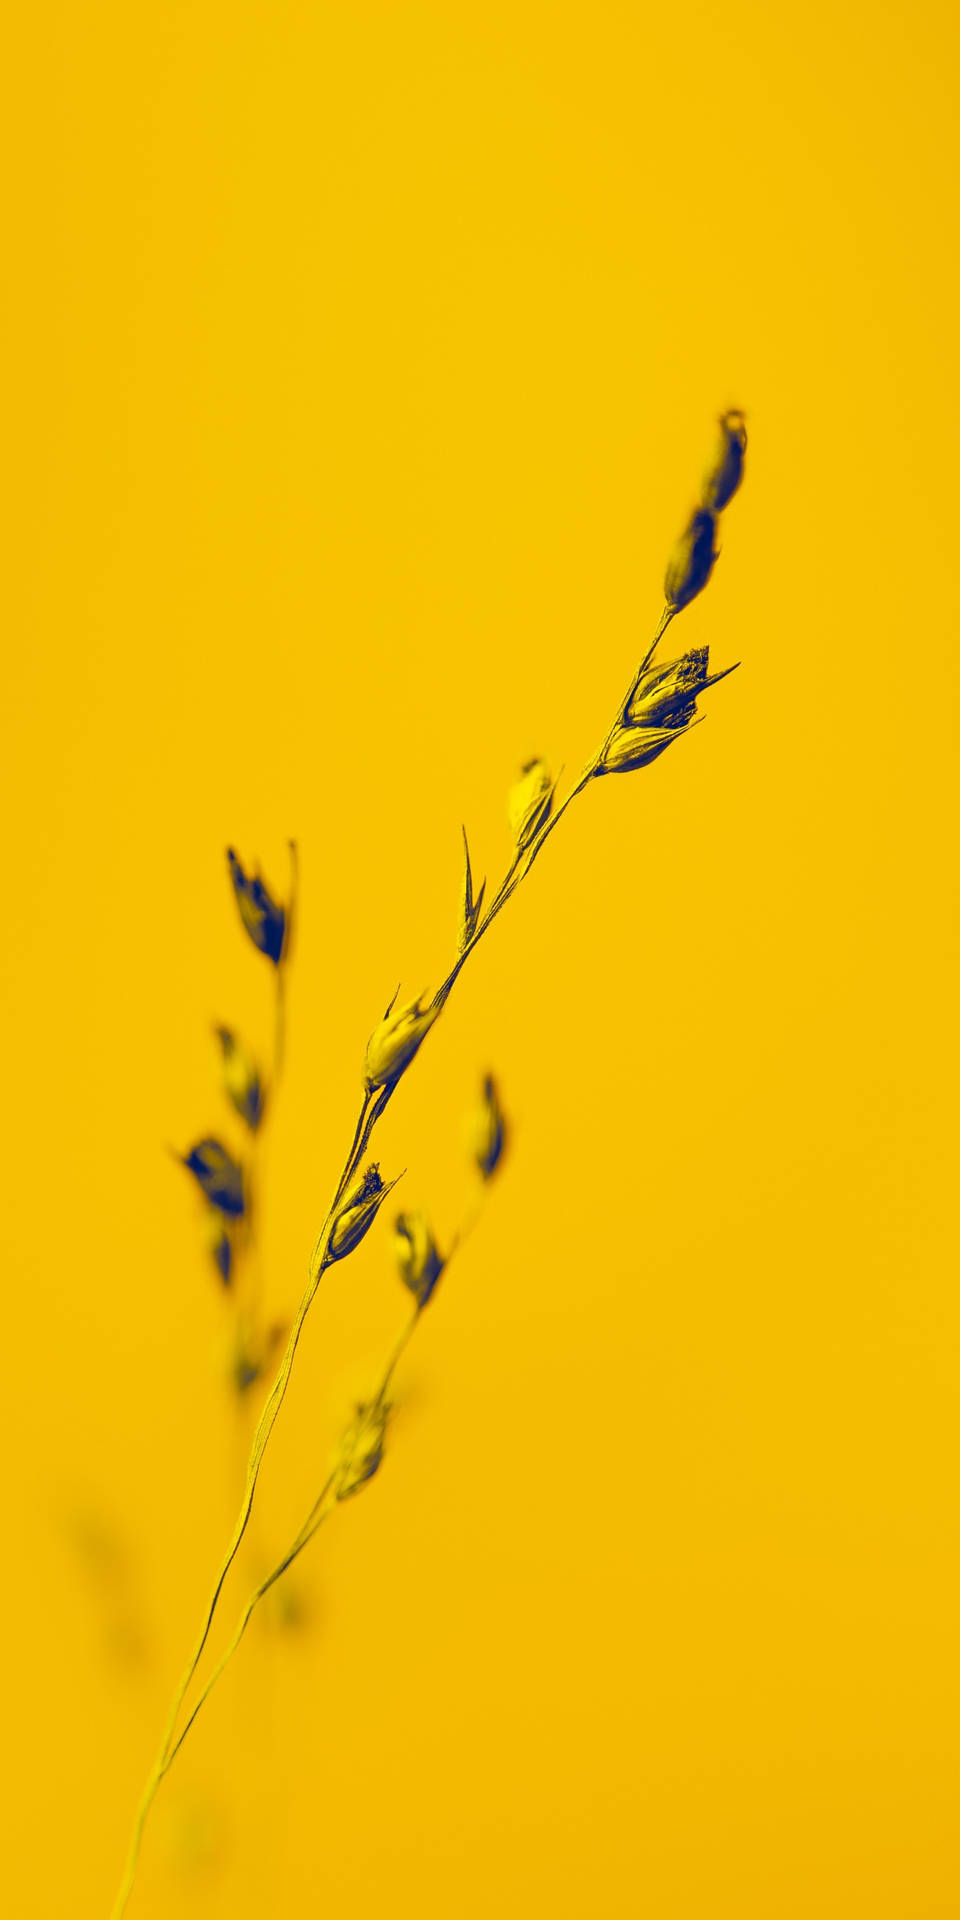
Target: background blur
[364,366]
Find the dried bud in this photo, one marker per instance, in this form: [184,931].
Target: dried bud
[529,802]
[691,562]
[633,747]
[220,1177]
[664,695]
[488,1129]
[361,1448]
[724,476]
[394,1042]
[357,1213]
[241,1081]
[469,905]
[418,1258]
[263,919]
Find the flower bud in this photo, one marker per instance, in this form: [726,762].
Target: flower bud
[488,1129]
[361,1448]
[529,801]
[633,747]
[263,919]
[691,562]
[664,695]
[723,477]
[418,1258]
[394,1042]
[357,1213]
[219,1176]
[241,1081]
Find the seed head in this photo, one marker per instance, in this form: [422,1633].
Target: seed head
[219,1176]
[664,696]
[241,1080]
[361,1448]
[633,747]
[357,1212]
[394,1042]
[529,801]
[692,560]
[263,919]
[418,1258]
[724,475]
[488,1129]
[220,1246]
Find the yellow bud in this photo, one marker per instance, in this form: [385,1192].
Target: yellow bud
[241,1081]
[394,1042]
[724,475]
[357,1213]
[418,1258]
[361,1448]
[529,801]
[633,747]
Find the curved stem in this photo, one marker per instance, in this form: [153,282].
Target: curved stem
[371,1112]
[303,1538]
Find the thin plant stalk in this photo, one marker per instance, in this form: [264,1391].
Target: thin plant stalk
[371,1112]
[318,1513]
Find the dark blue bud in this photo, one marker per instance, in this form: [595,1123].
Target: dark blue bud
[218,1175]
[263,919]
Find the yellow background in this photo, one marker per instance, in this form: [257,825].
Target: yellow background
[363,365]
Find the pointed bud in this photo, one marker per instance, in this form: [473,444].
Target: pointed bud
[664,695]
[469,906]
[691,562]
[529,802]
[394,1042]
[264,920]
[361,1448]
[724,475]
[219,1176]
[633,747]
[487,1129]
[357,1213]
[241,1081]
[418,1258]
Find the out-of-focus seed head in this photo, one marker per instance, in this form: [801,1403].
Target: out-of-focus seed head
[218,1175]
[487,1129]
[725,472]
[220,1246]
[361,1448]
[692,560]
[241,1080]
[418,1258]
[664,695]
[263,919]
[529,802]
[357,1212]
[252,1355]
[394,1042]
